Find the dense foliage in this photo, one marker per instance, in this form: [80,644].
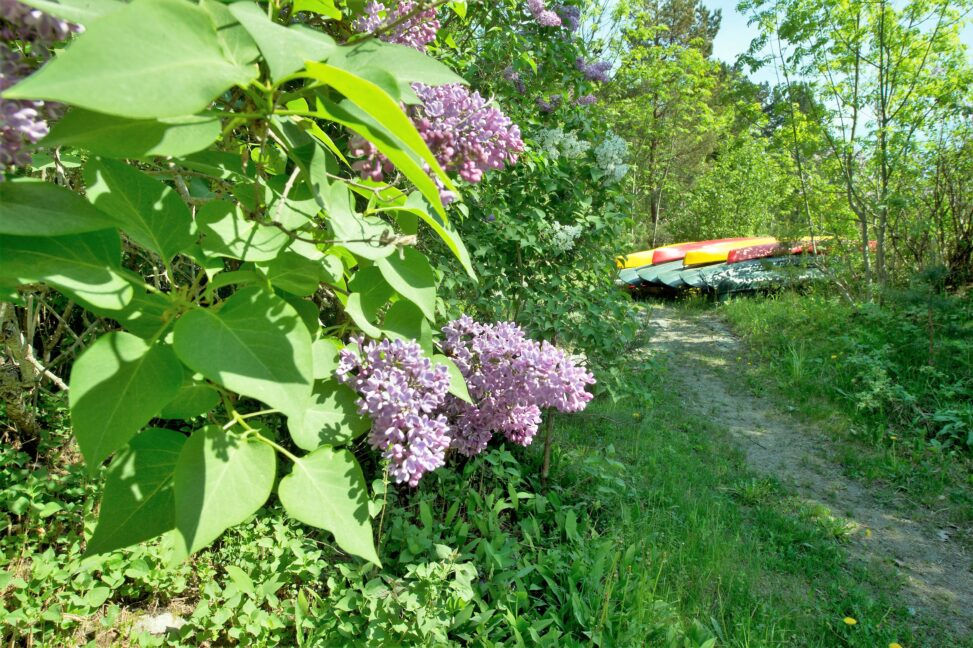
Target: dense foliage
[244,198]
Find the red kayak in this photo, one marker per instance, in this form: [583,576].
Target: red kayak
[775,249]
[677,252]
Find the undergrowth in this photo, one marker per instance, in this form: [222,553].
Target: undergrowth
[650,531]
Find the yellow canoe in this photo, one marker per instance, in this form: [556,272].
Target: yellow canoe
[641,259]
[718,252]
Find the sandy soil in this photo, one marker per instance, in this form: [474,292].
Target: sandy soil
[936,570]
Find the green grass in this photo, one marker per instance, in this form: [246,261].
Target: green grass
[903,416]
[736,551]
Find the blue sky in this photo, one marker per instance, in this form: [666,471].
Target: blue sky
[735,35]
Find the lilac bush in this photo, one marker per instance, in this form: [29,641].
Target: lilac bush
[416,31]
[401,391]
[510,378]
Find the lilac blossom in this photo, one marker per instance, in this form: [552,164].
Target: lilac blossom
[400,390]
[18,22]
[416,31]
[23,122]
[586,100]
[512,76]
[510,379]
[551,104]
[570,16]
[594,70]
[544,16]
[466,134]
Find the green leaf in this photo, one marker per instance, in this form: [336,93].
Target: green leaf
[83,266]
[331,419]
[410,274]
[76,11]
[284,48]
[357,120]
[369,292]
[376,103]
[151,212]
[31,207]
[117,386]
[457,383]
[227,233]
[406,322]
[365,236]
[137,503]
[327,490]
[323,7]
[192,399]
[405,64]
[374,290]
[415,204]
[255,344]
[240,579]
[354,310]
[220,480]
[150,59]
[237,42]
[121,137]
[325,352]
[293,272]
[146,313]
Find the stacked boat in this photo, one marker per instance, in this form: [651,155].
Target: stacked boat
[721,266]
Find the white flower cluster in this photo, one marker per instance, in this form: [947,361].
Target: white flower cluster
[564,236]
[555,143]
[610,155]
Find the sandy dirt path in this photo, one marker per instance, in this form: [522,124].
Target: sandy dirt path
[936,570]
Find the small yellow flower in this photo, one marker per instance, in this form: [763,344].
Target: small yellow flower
[850,621]
[895,644]
[834,357]
[893,437]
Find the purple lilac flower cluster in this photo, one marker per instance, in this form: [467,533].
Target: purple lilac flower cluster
[594,70]
[510,378]
[23,123]
[586,100]
[416,31]
[544,16]
[465,133]
[570,16]
[512,76]
[550,104]
[400,391]
[18,22]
